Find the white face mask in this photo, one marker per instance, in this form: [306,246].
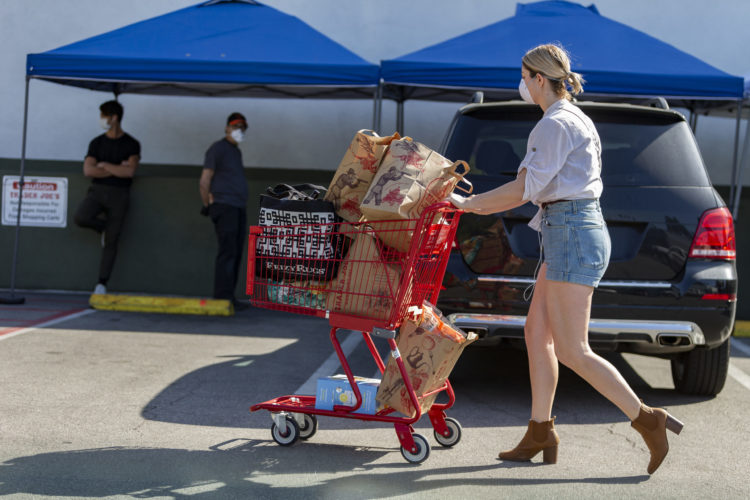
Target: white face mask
[104,122]
[525,94]
[238,135]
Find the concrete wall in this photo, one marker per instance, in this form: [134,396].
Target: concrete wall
[166,247]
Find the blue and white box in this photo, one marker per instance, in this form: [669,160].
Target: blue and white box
[336,390]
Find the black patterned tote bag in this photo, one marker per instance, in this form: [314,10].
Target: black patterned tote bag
[300,239]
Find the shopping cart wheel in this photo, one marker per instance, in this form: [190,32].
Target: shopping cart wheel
[454,436]
[309,427]
[292,432]
[422,452]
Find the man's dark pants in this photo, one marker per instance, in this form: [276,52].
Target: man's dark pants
[230,224]
[112,201]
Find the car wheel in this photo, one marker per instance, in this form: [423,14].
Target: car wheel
[701,372]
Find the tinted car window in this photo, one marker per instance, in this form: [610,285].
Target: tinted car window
[638,149]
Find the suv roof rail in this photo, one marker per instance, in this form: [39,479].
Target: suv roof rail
[478,97]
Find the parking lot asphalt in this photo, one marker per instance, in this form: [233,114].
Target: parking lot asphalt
[101,404]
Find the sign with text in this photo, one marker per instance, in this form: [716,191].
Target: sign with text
[45,201]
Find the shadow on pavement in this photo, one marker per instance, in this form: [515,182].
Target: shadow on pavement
[248,471]
[492,389]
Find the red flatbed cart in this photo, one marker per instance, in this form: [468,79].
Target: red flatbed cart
[274,282]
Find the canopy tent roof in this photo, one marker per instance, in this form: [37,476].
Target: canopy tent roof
[729,109]
[215,48]
[613,58]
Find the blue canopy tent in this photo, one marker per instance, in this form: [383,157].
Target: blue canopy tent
[230,48]
[615,59]
[618,63]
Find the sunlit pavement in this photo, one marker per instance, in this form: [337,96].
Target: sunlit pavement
[108,404]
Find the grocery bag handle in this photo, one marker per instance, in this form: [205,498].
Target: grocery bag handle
[296,191]
[461,177]
[382,141]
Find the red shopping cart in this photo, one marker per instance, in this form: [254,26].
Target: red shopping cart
[345,273]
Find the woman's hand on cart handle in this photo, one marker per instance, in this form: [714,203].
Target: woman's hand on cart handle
[458,201]
[500,199]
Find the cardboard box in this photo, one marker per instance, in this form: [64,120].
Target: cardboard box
[336,390]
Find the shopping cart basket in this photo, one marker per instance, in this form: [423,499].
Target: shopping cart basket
[344,273]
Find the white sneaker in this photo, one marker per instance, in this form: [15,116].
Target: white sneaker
[100,289]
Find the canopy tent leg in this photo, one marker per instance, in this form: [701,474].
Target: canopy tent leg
[693,120]
[744,164]
[733,188]
[378,112]
[15,299]
[400,117]
[375,108]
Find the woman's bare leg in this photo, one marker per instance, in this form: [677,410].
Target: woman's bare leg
[543,368]
[568,308]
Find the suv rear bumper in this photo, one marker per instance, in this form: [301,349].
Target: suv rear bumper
[658,318]
[644,336]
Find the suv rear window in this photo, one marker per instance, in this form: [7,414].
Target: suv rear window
[638,149]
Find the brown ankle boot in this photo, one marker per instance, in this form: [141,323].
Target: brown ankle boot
[653,423]
[540,436]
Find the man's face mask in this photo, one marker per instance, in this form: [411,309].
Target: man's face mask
[104,122]
[238,135]
[524,90]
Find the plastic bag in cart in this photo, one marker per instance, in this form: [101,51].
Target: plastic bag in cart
[309,294]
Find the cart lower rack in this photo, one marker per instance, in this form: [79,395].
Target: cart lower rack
[345,273]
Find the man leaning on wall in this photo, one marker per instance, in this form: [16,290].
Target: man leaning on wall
[111,161]
[223,190]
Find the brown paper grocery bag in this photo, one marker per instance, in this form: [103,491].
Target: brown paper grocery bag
[365,286]
[411,177]
[429,347]
[356,171]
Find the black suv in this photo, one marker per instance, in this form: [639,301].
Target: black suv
[670,288]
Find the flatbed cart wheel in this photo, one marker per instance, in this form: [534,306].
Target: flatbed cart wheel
[455,433]
[309,427]
[423,450]
[292,432]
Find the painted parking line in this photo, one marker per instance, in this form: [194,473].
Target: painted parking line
[740,376]
[44,322]
[734,371]
[741,346]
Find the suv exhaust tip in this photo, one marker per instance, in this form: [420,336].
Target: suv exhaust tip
[481,332]
[673,340]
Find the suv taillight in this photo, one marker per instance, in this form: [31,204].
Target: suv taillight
[714,238]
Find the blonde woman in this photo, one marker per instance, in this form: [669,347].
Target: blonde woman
[561,174]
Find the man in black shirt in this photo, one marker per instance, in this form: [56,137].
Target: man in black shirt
[223,190]
[111,162]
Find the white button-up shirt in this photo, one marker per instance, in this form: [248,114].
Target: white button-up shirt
[563,158]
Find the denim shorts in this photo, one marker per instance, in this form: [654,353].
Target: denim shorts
[575,242]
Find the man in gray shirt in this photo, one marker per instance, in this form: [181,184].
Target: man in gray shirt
[223,190]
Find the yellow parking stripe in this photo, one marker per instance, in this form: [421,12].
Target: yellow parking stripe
[166,305]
